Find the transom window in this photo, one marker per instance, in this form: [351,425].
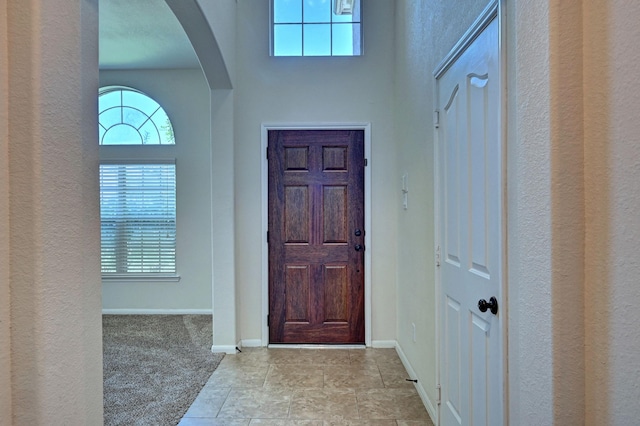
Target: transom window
[316,28]
[129,117]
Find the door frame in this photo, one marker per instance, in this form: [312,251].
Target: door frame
[366,127]
[494,10]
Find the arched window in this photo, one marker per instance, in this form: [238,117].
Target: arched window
[129,117]
[137,195]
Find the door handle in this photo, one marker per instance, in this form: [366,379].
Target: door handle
[358,247]
[491,305]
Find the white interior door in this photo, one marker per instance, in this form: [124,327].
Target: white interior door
[470,229]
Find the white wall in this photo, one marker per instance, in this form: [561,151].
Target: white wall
[56,345]
[425,33]
[5,296]
[221,16]
[185,96]
[225,288]
[307,90]
[612,177]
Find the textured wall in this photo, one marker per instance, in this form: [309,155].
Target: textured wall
[567,210]
[529,233]
[289,90]
[184,95]
[5,332]
[55,282]
[425,33]
[612,157]
[546,213]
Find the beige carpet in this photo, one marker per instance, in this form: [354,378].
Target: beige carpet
[154,366]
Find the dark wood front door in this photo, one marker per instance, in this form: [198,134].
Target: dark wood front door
[316,236]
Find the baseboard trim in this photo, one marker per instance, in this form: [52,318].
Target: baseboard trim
[428,404]
[251,343]
[227,349]
[314,346]
[384,344]
[157,312]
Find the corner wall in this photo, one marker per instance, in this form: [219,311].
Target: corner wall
[225,287]
[56,344]
[530,345]
[545,208]
[612,176]
[5,295]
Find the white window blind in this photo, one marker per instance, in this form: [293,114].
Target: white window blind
[138,215]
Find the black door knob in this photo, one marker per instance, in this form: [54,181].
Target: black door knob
[358,247]
[491,305]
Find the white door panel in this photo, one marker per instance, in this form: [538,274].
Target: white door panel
[470,194]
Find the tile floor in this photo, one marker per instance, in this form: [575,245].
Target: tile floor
[309,387]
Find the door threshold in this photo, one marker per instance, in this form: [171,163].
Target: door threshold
[311,346]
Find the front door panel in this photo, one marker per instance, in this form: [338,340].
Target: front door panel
[316,257]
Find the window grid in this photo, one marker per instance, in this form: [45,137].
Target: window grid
[155,128]
[302,23]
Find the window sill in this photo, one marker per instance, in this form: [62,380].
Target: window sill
[129,278]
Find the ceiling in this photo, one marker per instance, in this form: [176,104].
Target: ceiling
[142,34]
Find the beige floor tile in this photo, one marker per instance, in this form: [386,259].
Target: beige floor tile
[282,422]
[289,356]
[391,404]
[324,404]
[251,356]
[415,423]
[362,376]
[330,357]
[295,376]
[383,353]
[228,376]
[395,376]
[208,402]
[397,381]
[374,355]
[360,356]
[198,421]
[257,403]
[360,423]
[390,367]
[387,358]
[254,351]
[309,387]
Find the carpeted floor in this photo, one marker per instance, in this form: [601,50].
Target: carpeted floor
[154,366]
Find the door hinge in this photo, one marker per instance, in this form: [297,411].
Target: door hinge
[267,237]
[267,152]
[438,394]
[366,162]
[437,256]
[436,119]
[268,320]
